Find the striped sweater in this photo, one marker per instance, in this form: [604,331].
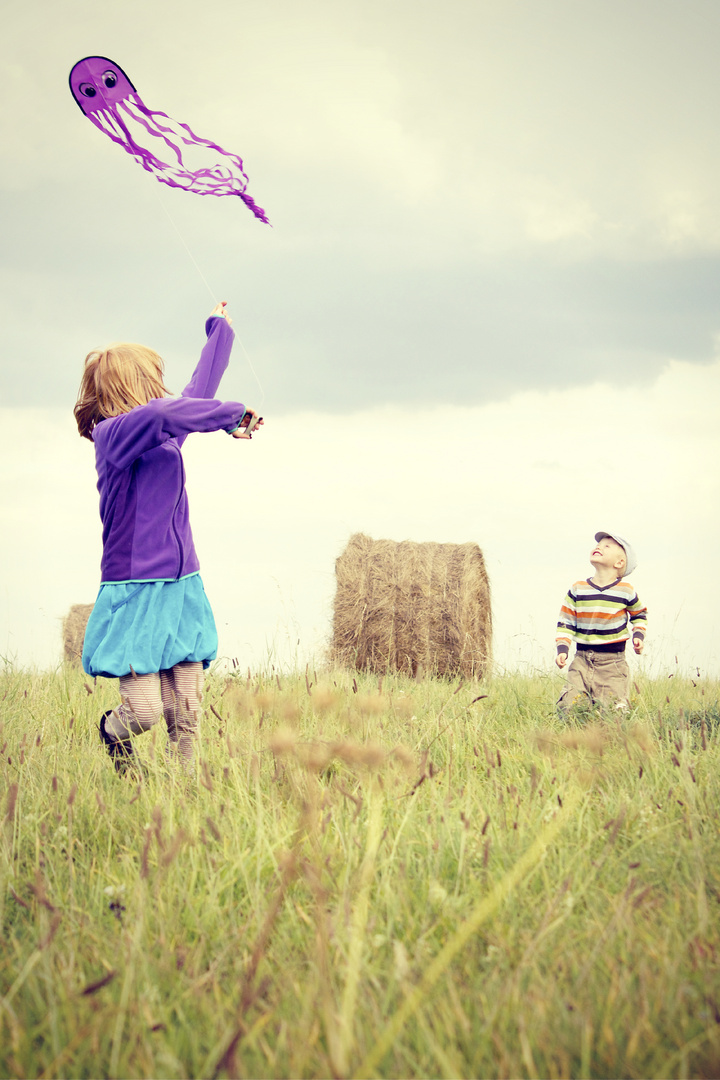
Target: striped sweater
[597,617]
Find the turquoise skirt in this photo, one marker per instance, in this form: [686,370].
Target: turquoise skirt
[149,626]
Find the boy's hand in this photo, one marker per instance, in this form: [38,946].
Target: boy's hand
[638,644]
[561,659]
[219,309]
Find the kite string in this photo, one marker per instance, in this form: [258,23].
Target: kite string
[215,300]
[255,375]
[182,240]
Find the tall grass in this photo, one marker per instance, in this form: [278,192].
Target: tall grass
[362,877]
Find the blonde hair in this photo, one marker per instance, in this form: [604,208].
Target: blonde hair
[116,380]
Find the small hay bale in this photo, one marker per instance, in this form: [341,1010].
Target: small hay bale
[413,608]
[73,630]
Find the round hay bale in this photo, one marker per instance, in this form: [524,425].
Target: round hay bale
[73,630]
[413,608]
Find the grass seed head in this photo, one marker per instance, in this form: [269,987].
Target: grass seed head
[643,737]
[370,755]
[592,737]
[283,741]
[315,756]
[290,711]
[370,704]
[326,700]
[11,802]
[404,757]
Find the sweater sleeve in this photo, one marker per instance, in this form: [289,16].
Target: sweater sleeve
[122,439]
[567,623]
[637,613]
[213,360]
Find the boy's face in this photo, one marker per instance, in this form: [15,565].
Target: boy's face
[607,553]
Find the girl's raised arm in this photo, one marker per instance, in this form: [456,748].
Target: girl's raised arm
[214,357]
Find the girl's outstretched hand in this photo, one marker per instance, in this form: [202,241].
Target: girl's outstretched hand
[219,309]
[242,432]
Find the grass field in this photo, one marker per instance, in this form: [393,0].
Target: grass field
[362,878]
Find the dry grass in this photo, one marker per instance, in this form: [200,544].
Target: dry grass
[73,632]
[381,877]
[418,609]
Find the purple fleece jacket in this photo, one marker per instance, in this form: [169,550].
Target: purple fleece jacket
[141,478]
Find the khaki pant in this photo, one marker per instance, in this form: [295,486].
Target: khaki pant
[596,678]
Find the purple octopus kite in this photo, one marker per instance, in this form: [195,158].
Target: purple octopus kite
[108,98]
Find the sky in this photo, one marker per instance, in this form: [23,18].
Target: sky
[486,309]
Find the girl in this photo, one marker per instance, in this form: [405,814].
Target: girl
[152,626]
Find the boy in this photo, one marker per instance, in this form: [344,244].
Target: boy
[596,613]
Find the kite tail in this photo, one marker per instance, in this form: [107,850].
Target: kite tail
[222,181]
[252,205]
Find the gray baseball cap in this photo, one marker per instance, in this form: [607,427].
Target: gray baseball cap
[630,557]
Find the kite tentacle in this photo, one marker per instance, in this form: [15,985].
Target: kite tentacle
[193,138]
[219,180]
[112,124]
[140,119]
[252,205]
[117,130]
[105,122]
[233,183]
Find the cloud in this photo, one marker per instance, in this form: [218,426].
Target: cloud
[530,479]
[465,201]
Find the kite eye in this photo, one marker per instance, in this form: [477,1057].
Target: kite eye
[110,79]
[87,89]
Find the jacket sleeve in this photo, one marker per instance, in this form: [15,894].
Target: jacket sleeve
[122,439]
[213,359]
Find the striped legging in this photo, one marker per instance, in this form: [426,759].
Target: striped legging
[174,694]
